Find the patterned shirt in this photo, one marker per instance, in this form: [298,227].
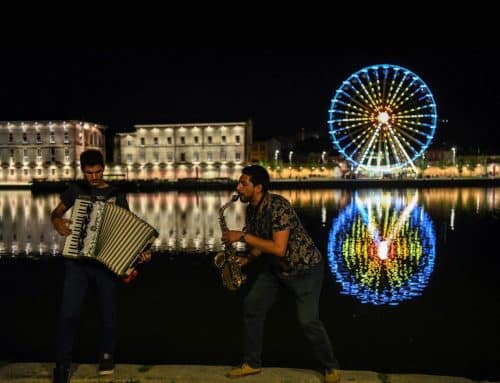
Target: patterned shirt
[275,213]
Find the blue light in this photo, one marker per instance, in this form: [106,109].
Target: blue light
[408,276]
[369,91]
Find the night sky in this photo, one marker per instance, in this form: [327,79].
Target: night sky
[281,90]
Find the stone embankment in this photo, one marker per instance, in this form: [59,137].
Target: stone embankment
[130,373]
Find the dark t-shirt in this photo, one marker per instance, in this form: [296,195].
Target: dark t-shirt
[80,190]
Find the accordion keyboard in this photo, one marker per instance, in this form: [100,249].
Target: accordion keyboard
[79,218]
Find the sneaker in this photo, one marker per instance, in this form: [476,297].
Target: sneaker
[332,376]
[243,370]
[106,365]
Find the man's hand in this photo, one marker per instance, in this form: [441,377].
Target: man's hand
[62,225]
[242,261]
[145,256]
[231,236]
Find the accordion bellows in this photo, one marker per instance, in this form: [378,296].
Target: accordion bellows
[109,234]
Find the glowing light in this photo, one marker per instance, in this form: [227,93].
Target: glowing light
[382,118]
[382,249]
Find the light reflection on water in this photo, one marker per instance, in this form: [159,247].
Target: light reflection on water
[381,244]
[188,222]
[382,247]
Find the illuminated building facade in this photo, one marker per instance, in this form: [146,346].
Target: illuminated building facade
[45,150]
[175,151]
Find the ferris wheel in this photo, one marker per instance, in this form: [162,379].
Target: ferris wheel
[382,118]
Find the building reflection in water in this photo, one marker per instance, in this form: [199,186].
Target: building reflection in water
[189,221]
[381,247]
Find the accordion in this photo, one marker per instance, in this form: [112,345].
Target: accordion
[109,234]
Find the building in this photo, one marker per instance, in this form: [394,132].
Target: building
[265,150]
[177,151]
[46,150]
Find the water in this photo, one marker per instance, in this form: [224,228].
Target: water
[410,284]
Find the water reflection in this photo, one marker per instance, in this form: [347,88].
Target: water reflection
[381,247]
[188,222]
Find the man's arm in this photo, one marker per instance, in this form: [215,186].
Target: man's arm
[60,224]
[276,246]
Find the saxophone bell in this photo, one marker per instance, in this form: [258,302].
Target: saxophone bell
[227,260]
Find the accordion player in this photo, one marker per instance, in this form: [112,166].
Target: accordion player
[109,234]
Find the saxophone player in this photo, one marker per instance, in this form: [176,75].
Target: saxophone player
[273,230]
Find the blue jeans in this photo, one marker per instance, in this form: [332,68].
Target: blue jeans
[306,288]
[78,275]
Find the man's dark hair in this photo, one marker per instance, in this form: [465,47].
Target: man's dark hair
[91,157]
[258,176]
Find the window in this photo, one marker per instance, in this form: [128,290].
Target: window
[196,156]
[39,154]
[25,155]
[156,157]
[11,172]
[155,140]
[66,154]
[183,140]
[25,172]
[209,139]
[237,139]
[129,142]
[169,140]
[11,138]
[66,171]
[223,156]
[39,172]
[195,139]
[237,156]
[223,139]
[38,138]
[52,138]
[66,138]
[25,138]
[170,157]
[53,172]
[209,156]
[129,157]
[143,140]
[183,157]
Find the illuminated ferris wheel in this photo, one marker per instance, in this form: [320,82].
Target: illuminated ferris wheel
[382,118]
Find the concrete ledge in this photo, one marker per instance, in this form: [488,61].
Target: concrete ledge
[134,373]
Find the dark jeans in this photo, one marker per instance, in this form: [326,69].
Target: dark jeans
[78,275]
[306,289]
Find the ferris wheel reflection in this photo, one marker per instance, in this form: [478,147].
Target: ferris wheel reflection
[381,247]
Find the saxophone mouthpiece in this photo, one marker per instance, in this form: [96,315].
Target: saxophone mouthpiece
[235,197]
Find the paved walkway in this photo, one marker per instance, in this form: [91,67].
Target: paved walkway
[132,373]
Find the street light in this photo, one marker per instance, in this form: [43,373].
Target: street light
[323,158]
[276,153]
[290,157]
[453,151]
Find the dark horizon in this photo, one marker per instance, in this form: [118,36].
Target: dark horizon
[281,90]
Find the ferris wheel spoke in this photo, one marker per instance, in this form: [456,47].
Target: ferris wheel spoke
[403,151]
[397,90]
[372,101]
[382,118]
[369,145]
[410,137]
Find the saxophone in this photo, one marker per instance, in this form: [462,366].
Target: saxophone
[227,260]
